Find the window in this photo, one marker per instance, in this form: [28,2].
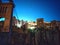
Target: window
[3,9]
[2,19]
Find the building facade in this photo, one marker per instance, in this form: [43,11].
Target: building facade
[6,11]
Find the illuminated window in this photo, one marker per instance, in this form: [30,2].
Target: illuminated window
[2,19]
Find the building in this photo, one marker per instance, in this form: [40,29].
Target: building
[52,24]
[47,25]
[32,25]
[40,22]
[6,10]
[55,24]
[1,25]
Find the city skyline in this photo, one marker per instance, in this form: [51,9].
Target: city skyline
[30,10]
[15,31]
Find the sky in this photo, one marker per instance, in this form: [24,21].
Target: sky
[30,10]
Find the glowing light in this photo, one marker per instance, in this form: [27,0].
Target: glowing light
[32,27]
[2,19]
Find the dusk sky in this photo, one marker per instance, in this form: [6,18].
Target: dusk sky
[30,10]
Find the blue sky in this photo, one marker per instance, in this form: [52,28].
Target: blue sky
[30,10]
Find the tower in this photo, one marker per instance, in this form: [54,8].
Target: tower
[6,11]
[40,22]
